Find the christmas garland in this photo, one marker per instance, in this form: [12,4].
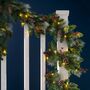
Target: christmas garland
[69,60]
[11,10]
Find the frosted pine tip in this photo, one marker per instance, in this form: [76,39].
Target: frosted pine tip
[3,29]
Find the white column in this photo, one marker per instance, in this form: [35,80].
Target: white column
[3,73]
[42,62]
[64,15]
[26,57]
[42,58]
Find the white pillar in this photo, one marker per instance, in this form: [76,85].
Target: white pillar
[64,15]
[26,57]
[3,73]
[42,58]
[42,62]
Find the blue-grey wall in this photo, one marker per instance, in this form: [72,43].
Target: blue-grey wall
[79,15]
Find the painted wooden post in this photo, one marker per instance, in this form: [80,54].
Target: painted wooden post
[42,62]
[62,45]
[26,57]
[42,58]
[4,73]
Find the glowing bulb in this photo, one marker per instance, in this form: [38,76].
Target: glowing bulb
[65,36]
[63,64]
[58,23]
[55,51]
[66,85]
[47,58]
[20,14]
[52,74]
[49,49]
[53,82]
[26,16]
[4,52]
[66,29]
[22,23]
[76,70]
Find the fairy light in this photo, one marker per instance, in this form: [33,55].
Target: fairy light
[76,70]
[26,16]
[20,14]
[49,49]
[55,51]
[65,36]
[66,29]
[52,74]
[22,23]
[58,23]
[46,57]
[4,52]
[66,85]
[53,82]
[63,64]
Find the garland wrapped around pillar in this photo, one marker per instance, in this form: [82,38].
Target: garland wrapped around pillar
[62,46]
[65,61]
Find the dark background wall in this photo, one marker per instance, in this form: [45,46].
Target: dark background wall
[79,15]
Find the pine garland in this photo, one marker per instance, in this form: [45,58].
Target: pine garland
[11,10]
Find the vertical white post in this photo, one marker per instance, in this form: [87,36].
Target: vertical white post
[26,57]
[42,62]
[42,58]
[64,15]
[3,73]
